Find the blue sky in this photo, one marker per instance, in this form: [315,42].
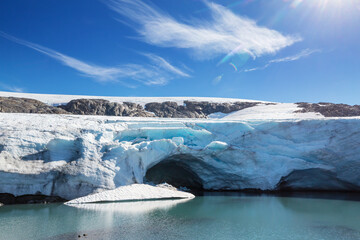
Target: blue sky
[275,50]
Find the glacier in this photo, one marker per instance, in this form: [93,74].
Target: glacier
[72,156]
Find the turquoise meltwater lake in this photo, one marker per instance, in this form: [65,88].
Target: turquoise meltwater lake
[213,216]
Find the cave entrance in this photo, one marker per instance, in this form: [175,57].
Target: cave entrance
[175,171]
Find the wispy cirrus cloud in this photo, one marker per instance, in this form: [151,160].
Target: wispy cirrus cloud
[217,79]
[159,72]
[302,54]
[161,62]
[11,88]
[225,33]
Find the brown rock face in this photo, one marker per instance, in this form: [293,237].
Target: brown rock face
[172,110]
[27,105]
[192,109]
[104,107]
[330,109]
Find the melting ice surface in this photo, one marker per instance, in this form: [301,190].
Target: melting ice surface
[74,156]
[207,217]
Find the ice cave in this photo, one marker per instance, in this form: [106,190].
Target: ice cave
[175,170]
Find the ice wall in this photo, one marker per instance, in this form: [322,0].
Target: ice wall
[72,156]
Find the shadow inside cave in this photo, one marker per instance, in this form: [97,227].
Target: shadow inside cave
[176,171]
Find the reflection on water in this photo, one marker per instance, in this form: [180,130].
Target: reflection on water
[206,217]
[138,207]
[350,196]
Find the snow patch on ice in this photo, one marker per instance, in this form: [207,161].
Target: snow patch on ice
[272,111]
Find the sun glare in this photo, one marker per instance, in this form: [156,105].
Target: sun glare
[324,4]
[329,9]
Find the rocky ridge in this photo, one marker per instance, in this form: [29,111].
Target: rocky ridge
[104,107]
[330,109]
[27,105]
[167,109]
[192,109]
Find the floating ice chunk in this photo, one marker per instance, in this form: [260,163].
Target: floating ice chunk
[132,193]
[217,145]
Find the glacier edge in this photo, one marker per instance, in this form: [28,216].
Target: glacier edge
[73,156]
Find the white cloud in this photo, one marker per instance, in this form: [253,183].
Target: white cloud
[302,54]
[217,79]
[162,63]
[225,33]
[157,73]
[10,88]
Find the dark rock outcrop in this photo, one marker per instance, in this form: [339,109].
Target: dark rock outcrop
[172,110]
[209,108]
[7,198]
[104,107]
[192,109]
[27,105]
[330,109]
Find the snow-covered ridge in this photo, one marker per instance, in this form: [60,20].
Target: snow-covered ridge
[251,110]
[73,156]
[58,99]
[170,107]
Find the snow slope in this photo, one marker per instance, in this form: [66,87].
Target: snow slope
[73,156]
[274,111]
[132,192]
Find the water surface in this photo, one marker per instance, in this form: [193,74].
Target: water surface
[205,217]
